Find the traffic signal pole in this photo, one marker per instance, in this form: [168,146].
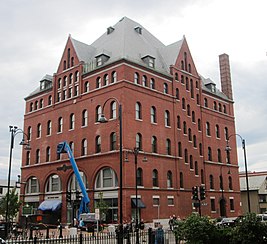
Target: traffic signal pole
[198,195]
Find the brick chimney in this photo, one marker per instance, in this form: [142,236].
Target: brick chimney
[226,83]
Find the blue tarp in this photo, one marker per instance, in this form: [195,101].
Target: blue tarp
[50,205]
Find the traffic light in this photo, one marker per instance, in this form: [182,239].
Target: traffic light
[78,196]
[195,193]
[202,193]
[68,196]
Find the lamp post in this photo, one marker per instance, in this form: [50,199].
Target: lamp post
[222,203]
[104,120]
[228,149]
[14,130]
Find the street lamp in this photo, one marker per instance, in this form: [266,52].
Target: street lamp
[14,130]
[135,151]
[228,149]
[222,202]
[104,120]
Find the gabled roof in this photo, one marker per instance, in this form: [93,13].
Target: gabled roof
[126,41]
[255,182]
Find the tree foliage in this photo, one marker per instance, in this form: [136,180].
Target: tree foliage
[14,204]
[102,205]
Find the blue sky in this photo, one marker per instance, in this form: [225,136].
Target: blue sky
[34,33]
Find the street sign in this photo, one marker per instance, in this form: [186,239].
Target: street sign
[27,210]
[97,214]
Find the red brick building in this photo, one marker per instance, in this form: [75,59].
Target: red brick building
[178,120]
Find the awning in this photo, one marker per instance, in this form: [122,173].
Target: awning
[140,204]
[50,205]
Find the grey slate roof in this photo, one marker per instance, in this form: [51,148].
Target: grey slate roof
[254,182]
[38,89]
[124,42]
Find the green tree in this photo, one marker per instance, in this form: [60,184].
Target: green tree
[198,230]
[13,204]
[250,230]
[102,205]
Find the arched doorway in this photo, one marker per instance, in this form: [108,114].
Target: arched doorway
[223,207]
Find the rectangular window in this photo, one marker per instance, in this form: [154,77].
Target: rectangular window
[212,205]
[232,205]
[155,201]
[170,201]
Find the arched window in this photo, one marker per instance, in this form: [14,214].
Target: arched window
[226,133]
[29,133]
[211,182]
[154,144]
[221,182]
[219,155]
[181,180]
[65,80]
[188,110]
[191,162]
[136,78]
[73,184]
[113,110]
[152,83]
[186,84]
[169,179]
[194,141]
[192,88]
[113,141]
[220,107]
[180,150]
[31,107]
[60,125]
[72,121]
[84,117]
[205,102]
[84,147]
[32,185]
[71,78]
[189,134]
[217,131]
[59,83]
[98,82]
[41,103]
[202,177]
[37,156]
[113,77]
[98,112]
[49,127]
[176,76]
[193,117]
[86,86]
[138,142]
[36,105]
[182,79]
[209,154]
[214,105]
[50,100]
[185,127]
[53,184]
[178,122]
[71,144]
[48,154]
[165,88]
[230,183]
[196,168]
[207,128]
[155,179]
[199,124]
[186,155]
[198,99]
[153,115]
[105,79]
[183,104]
[168,147]
[106,178]
[144,80]
[139,177]
[138,110]
[177,94]
[76,76]
[98,144]
[28,158]
[39,130]
[167,118]
[224,109]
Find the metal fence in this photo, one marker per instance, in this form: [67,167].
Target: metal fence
[148,236]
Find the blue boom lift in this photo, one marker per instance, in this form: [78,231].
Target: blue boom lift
[64,147]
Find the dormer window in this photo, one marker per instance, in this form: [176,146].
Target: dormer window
[149,60]
[138,29]
[211,86]
[46,83]
[101,59]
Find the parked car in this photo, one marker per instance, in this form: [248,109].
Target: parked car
[262,217]
[227,222]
